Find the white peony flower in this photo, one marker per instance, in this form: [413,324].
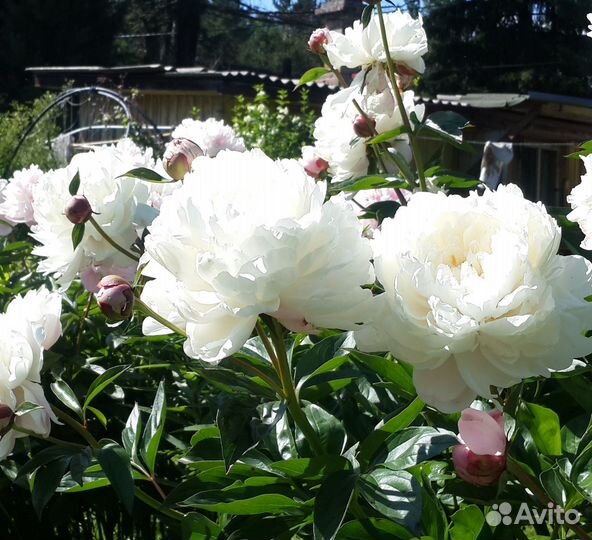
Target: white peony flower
[30,325]
[580,200]
[476,294]
[211,135]
[247,235]
[335,139]
[17,205]
[359,46]
[589,34]
[115,202]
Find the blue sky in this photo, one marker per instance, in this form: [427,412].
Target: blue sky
[261,4]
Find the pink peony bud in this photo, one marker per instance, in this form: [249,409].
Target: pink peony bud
[78,209]
[178,157]
[6,416]
[364,127]
[318,39]
[115,298]
[481,459]
[313,164]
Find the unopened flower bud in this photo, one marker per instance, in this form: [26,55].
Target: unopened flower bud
[318,39]
[178,157]
[313,164]
[364,126]
[481,459]
[6,416]
[405,76]
[115,298]
[78,209]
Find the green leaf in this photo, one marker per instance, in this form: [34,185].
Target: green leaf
[196,526]
[77,234]
[468,522]
[130,436]
[314,468]
[312,75]
[388,135]
[330,430]
[234,420]
[544,427]
[394,494]
[259,504]
[102,381]
[331,504]
[26,407]
[318,355]
[372,181]
[391,371]
[414,445]
[67,396]
[46,456]
[99,415]
[457,182]
[78,464]
[154,429]
[47,479]
[373,529]
[142,173]
[367,15]
[116,466]
[446,125]
[403,419]
[74,185]
[585,149]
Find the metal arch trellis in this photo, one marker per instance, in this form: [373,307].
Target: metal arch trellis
[128,107]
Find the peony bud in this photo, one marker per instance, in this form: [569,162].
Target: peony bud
[318,39]
[115,298]
[78,209]
[405,76]
[481,459]
[312,163]
[6,416]
[364,126]
[178,157]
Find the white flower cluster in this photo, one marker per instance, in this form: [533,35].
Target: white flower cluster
[335,139]
[211,135]
[580,200]
[17,206]
[30,325]
[246,235]
[115,203]
[476,294]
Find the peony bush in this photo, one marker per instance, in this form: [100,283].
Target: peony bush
[349,345]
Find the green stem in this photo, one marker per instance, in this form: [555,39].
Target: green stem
[335,71]
[76,426]
[148,311]
[54,440]
[531,483]
[400,104]
[101,231]
[153,503]
[257,372]
[378,154]
[291,397]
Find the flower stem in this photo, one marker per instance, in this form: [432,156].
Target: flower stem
[257,372]
[335,71]
[153,503]
[54,440]
[148,311]
[400,104]
[531,483]
[102,232]
[289,391]
[76,426]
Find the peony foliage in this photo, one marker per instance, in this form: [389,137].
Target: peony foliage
[350,345]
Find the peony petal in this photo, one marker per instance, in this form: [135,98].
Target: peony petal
[481,433]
